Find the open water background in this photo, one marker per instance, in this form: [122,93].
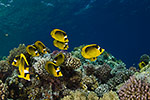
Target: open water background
[121,27]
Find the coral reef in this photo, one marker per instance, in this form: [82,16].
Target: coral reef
[4,69]
[90,82]
[134,89]
[81,80]
[111,95]
[71,62]
[80,95]
[103,73]
[39,66]
[103,88]
[16,51]
[89,69]
[119,78]
[3,90]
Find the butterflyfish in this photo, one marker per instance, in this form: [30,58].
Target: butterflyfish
[53,69]
[16,61]
[59,59]
[59,35]
[24,68]
[41,47]
[91,51]
[61,45]
[142,64]
[32,50]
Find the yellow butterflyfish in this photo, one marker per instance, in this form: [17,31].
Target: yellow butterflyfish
[41,47]
[61,45]
[91,51]
[22,70]
[59,59]
[142,64]
[53,69]
[59,35]
[16,61]
[32,50]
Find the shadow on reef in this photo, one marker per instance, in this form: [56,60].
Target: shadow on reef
[104,79]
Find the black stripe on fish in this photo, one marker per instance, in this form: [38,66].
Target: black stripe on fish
[58,72]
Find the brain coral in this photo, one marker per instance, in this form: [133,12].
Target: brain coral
[134,89]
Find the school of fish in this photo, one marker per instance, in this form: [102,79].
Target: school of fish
[90,52]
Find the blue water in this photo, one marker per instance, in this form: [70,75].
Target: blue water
[121,27]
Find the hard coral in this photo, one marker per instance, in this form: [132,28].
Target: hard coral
[39,66]
[4,69]
[110,96]
[89,69]
[4,66]
[15,52]
[103,73]
[90,81]
[119,78]
[71,62]
[80,95]
[134,89]
[3,91]
[103,88]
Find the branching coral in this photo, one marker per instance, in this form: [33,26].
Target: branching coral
[3,90]
[110,96]
[4,69]
[135,89]
[16,51]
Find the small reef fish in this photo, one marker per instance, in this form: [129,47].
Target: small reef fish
[32,50]
[23,65]
[53,69]
[142,64]
[91,51]
[59,59]
[61,45]
[41,47]
[59,35]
